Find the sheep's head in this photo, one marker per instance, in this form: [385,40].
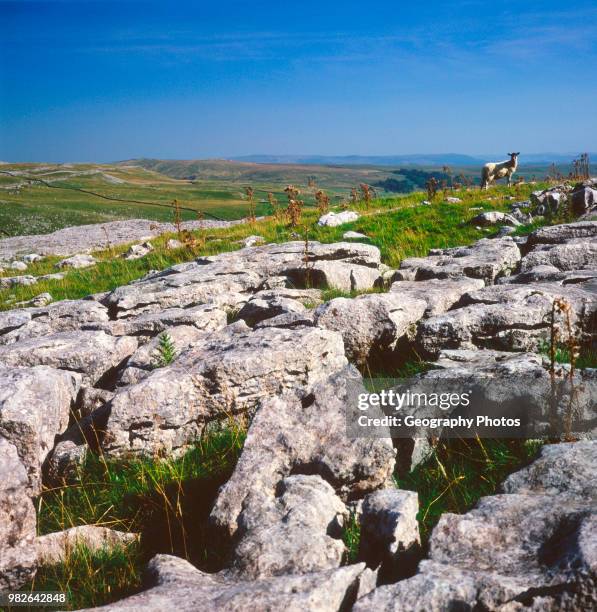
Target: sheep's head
[513,156]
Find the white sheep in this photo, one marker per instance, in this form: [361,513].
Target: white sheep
[497,170]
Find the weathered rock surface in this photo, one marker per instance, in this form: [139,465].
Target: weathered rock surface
[63,316]
[560,234]
[371,324]
[333,219]
[137,251]
[584,197]
[494,217]
[275,302]
[507,317]
[72,240]
[35,405]
[343,265]
[177,584]
[533,548]
[17,520]
[225,372]
[77,261]
[56,547]
[550,274]
[439,294]
[486,259]
[289,320]
[290,435]
[390,530]
[93,354]
[147,358]
[296,532]
[551,199]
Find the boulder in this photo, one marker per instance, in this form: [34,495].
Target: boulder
[175,583]
[43,299]
[250,241]
[93,354]
[532,548]
[507,317]
[58,546]
[439,294]
[223,373]
[271,303]
[371,325]
[583,198]
[77,262]
[35,405]
[137,251]
[333,219]
[289,320]
[7,282]
[290,435]
[574,254]
[296,532]
[560,234]
[547,273]
[494,217]
[551,199]
[390,530]
[18,558]
[31,258]
[21,266]
[174,244]
[487,260]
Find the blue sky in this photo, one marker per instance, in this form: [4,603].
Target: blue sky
[102,81]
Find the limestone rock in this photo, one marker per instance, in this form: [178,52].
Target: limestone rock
[77,262]
[574,254]
[223,373]
[43,299]
[353,235]
[56,547]
[177,584]
[486,259]
[494,217]
[370,324]
[333,219]
[289,435]
[35,406]
[297,532]
[137,251]
[21,266]
[17,520]
[92,354]
[439,294]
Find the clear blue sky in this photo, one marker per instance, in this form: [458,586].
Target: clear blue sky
[100,81]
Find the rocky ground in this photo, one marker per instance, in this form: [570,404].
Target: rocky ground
[253,338]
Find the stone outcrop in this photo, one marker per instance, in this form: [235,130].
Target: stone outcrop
[35,405]
[532,548]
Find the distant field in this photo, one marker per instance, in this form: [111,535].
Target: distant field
[214,187]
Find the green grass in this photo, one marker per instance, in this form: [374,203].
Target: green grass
[587,357]
[91,578]
[459,472]
[399,226]
[166,501]
[351,536]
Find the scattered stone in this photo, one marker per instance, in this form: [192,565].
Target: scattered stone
[31,258]
[290,320]
[250,241]
[550,200]
[43,299]
[333,219]
[137,251]
[56,547]
[584,197]
[505,230]
[35,405]
[7,282]
[173,243]
[453,200]
[21,266]
[353,235]
[494,217]
[77,262]
[574,254]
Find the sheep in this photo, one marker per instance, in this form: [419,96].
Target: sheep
[498,170]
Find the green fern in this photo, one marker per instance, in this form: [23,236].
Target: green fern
[166,351]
